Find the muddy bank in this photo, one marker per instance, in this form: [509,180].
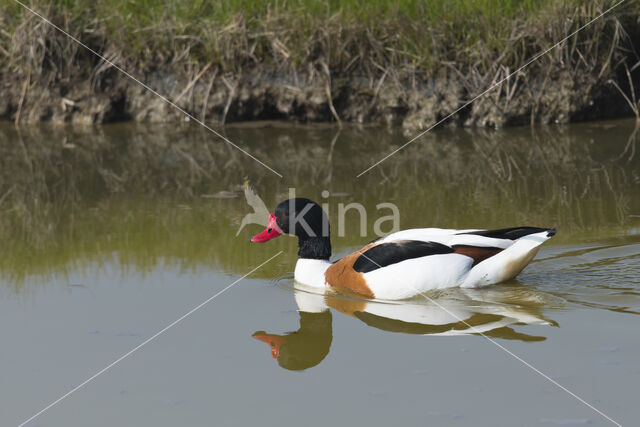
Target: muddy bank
[346,71]
[558,96]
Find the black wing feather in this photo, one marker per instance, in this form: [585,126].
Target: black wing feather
[386,254]
[512,233]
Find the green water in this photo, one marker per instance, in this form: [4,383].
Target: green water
[109,234]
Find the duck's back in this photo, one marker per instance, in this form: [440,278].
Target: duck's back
[409,262]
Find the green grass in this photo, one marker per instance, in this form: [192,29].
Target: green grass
[431,11]
[234,32]
[409,43]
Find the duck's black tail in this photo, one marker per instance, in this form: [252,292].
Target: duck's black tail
[513,233]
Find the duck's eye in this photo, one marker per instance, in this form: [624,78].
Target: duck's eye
[270,230]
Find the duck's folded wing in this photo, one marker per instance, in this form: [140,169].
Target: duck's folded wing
[385,254]
[440,235]
[398,269]
[499,238]
[404,268]
[509,262]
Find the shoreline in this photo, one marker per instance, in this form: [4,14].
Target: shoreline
[44,77]
[414,109]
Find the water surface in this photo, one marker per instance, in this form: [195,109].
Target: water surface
[111,233]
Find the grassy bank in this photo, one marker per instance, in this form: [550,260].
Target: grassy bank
[369,44]
[236,33]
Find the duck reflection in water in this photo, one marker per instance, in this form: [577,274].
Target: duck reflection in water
[450,313]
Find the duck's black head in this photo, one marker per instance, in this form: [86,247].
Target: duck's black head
[305,219]
[306,347]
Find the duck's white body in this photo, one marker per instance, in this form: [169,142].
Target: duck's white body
[310,272]
[418,260]
[453,309]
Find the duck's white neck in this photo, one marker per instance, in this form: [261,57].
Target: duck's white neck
[310,302]
[310,272]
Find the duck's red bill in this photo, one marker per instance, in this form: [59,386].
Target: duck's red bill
[269,233]
[274,342]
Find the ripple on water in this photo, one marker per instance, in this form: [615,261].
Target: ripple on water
[604,276]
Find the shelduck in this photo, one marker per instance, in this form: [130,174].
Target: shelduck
[406,263]
[457,312]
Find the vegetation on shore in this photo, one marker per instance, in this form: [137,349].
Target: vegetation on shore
[253,30]
[346,34]
[369,44]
